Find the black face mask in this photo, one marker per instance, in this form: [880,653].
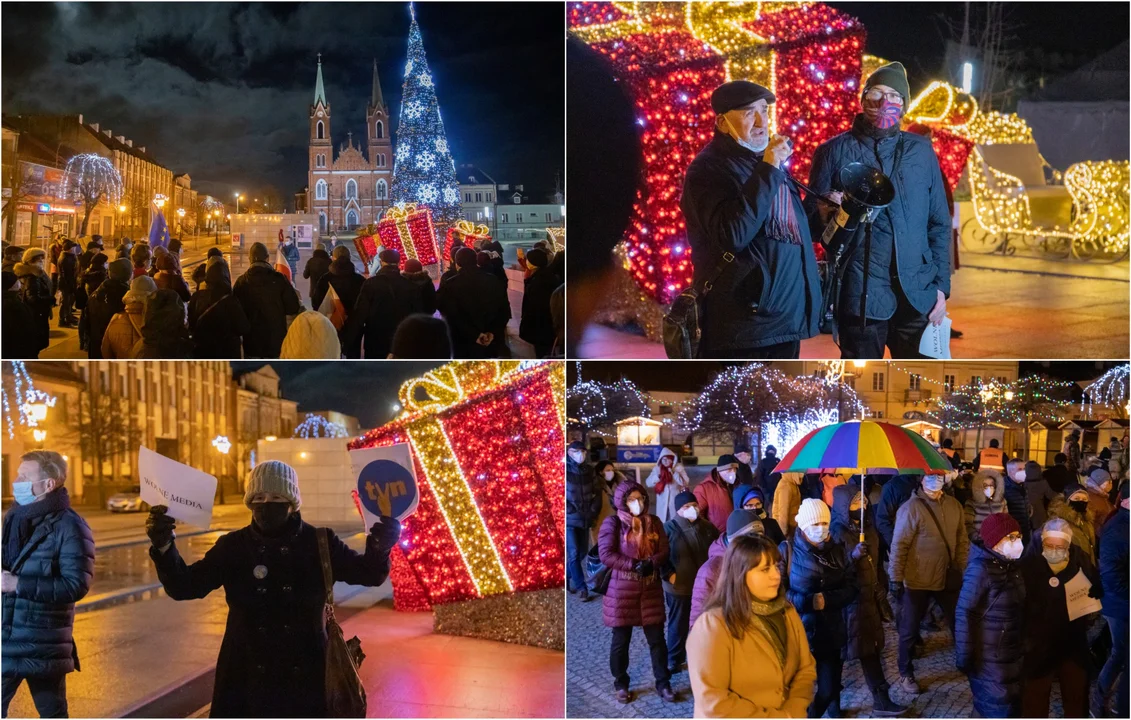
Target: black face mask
[270,517]
[1079,506]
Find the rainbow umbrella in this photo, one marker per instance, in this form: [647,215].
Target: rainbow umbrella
[864,446]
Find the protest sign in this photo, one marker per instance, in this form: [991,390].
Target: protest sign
[1076,595]
[386,482]
[186,491]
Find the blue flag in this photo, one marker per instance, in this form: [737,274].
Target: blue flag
[159,232]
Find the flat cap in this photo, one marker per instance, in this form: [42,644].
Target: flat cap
[737,93]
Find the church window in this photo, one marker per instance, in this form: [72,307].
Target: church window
[320,190]
[321,133]
[351,189]
[380,130]
[380,159]
[382,190]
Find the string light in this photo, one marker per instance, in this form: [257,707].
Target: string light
[20,404]
[487,442]
[316,426]
[1019,402]
[467,233]
[91,178]
[408,229]
[1109,389]
[421,135]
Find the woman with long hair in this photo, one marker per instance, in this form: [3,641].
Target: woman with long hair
[747,654]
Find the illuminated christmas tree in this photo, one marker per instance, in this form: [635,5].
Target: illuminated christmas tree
[423,169]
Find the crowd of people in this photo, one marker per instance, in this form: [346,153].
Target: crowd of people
[135,302]
[762,585]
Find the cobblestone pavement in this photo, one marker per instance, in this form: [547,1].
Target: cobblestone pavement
[589,684]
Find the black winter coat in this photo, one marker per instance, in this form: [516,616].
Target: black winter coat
[583,494]
[267,300]
[767,479]
[271,661]
[990,625]
[317,266]
[217,318]
[1017,505]
[896,491]
[18,328]
[68,272]
[826,570]
[427,291]
[911,237]
[347,282]
[1053,638]
[103,304]
[56,568]
[35,289]
[770,293]
[471,303]
[862,620]
[385,300]
[688,547]
[537,324]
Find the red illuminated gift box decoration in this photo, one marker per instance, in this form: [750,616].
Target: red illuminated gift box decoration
[670,56]
[466,232]
[409,231]
[487,440]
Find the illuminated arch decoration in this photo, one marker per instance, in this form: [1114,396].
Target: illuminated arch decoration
[316,426]
[487,439]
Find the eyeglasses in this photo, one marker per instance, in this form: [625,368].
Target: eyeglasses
[880,95]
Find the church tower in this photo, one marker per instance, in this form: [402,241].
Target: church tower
[380,146]
[321,153]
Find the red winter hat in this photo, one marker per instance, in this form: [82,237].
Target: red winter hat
[996,527]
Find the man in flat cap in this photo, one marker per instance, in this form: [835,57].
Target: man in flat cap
[749,236]
[909,266]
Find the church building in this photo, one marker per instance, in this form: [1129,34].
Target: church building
[352,188]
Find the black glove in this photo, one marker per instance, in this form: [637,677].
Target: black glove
[645,568]
[386,533]
[160,527]
[1096,591]
[859,551]
[896,588]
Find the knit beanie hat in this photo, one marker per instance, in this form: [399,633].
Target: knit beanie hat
[812,512]
[141,287]
[121,270]
[257,252]
[894,75]
[685,497]
[995,527]
[726,461]
[273,476]
[743,522]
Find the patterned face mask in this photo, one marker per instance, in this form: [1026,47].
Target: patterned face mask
[884,114]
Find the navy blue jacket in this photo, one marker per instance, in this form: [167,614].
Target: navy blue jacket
[989,630]
[1113,564]
[771,293]
[911,237]
[826,570]
[583,494]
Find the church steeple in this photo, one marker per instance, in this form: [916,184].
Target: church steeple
[319,90]
[376,100]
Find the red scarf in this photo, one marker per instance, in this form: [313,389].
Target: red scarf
[665,478]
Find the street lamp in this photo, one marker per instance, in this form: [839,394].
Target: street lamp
[237,203]
[222,445]
[37,411]
[216,224]
[159,201]
[39,435]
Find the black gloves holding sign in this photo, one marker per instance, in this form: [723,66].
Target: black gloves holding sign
[160,528]
[386,532]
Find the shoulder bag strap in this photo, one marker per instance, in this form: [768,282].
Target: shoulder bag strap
[949,552]
[327,571]
[727,259]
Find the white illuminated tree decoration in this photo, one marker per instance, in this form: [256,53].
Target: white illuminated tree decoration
[90,179]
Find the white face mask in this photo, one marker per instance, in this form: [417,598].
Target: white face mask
[635,507]
[1019,476]
[609,474]
[817,533]
[691,514]
[933,483]
[576,455]
[727,476]
[1010,549]
[988,492]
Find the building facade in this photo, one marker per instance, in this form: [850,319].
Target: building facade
[520,220]
[479,194]
[352,188]
[262,414]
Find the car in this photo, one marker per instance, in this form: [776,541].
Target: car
[129,500]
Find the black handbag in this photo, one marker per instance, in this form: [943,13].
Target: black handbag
[597,573]
[345,694]
[681,323]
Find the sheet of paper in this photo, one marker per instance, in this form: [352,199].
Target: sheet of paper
[1076,595]
[935,342]
[186,491]
[386,482]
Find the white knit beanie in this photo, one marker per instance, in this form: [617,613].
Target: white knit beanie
[812,511]
[273,476]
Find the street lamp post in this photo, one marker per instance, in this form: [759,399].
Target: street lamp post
[223,445]
[216,224]
[237,203]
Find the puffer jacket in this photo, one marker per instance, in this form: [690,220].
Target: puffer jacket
[770,293]
[583,495]
[688,547]
[55,568]
[1054,637]
[919,556]
[714,498]
[632,600]
[911,237]
[824,569]
[707,577]
[989,631]
[862,620]
[1017,505]
[979,507]
[1083,524]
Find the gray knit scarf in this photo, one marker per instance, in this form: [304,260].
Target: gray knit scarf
[762,623]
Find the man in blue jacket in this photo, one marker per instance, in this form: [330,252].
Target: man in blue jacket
[909,266]
[48,565]
[1113,573]
[749,236]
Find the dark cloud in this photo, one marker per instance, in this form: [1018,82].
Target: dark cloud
[222,91]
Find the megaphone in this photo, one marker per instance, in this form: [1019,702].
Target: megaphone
[866,192]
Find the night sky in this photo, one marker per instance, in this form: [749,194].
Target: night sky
[223,91]
[365,389]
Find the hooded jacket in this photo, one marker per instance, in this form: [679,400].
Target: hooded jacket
[707,577]
[989,631]
[164,335]
[632,600]
[770,293]
[715,502]
[35,289]
[919,556]
[688,548]
[911,237]
[317,266]
[1083,523]
[824,569]
[216,317]
[267,300]
[311,336]
[124,331]
[665,501]
[979,507]
[773,530]
[862,620]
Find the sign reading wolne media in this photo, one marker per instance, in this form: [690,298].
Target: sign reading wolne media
[186,491]
[386,482]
